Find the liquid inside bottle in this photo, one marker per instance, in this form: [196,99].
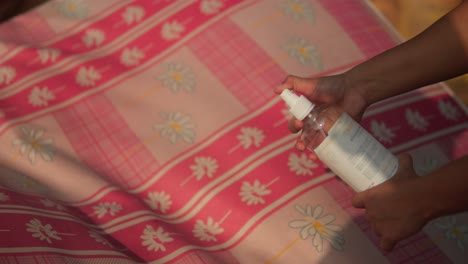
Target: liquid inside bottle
[342,144]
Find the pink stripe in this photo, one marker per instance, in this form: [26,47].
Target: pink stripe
[362,26]
[395,119]
[74,43]
[190,16]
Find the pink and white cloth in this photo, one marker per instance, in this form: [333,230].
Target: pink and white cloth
[147,131]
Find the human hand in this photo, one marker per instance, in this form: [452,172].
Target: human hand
[397,208]
[335,90]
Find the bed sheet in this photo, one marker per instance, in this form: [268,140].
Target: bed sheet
[147,131]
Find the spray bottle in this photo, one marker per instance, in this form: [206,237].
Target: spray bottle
[341,143]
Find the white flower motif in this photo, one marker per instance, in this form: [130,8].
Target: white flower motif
[131,57]
[454,231]
[4,197]
[87,76]
[252,194]
[103,208]
[155,239]
[318,227]
[99,238]
[208,231]
[301,165]
[382,132]
[209,7]
[75,9]
[298,10]
[172,30]
[93,37]
[177,76]
[7,74]
[43,232]
[133,14]
[40,97]
[159,200]
[249,136]
[448,110]
[46,55]
[32,144]
[204,166]
[176,125]
[50,203]
[416,120]
[304,52]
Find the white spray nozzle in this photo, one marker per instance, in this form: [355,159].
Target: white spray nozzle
[299,106]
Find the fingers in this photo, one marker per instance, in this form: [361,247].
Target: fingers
[387,244]
[303,86]
[405,167]
[295,125]
[358,200]
[405,161]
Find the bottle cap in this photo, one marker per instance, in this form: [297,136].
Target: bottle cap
[298,106]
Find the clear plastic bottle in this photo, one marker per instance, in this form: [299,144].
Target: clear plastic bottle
[341,143]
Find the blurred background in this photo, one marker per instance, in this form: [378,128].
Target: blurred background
[409,17]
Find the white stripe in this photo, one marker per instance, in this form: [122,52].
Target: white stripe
[34,209]
[97,197]
[108,49]
[420,140]
[118,220]
[72,219]
[68,32]
[250,223]
[60,250]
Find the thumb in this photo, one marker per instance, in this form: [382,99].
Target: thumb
[387,244]
[359,200]
[405,167]
[300,85]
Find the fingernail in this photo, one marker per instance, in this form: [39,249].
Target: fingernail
[300,146]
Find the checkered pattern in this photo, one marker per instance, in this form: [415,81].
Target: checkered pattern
[103,140]
[238,62]
[362,26]
[416,249]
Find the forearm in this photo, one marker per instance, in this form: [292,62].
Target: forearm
[446,189]
[437,54]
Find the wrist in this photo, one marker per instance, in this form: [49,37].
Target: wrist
[361,84]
